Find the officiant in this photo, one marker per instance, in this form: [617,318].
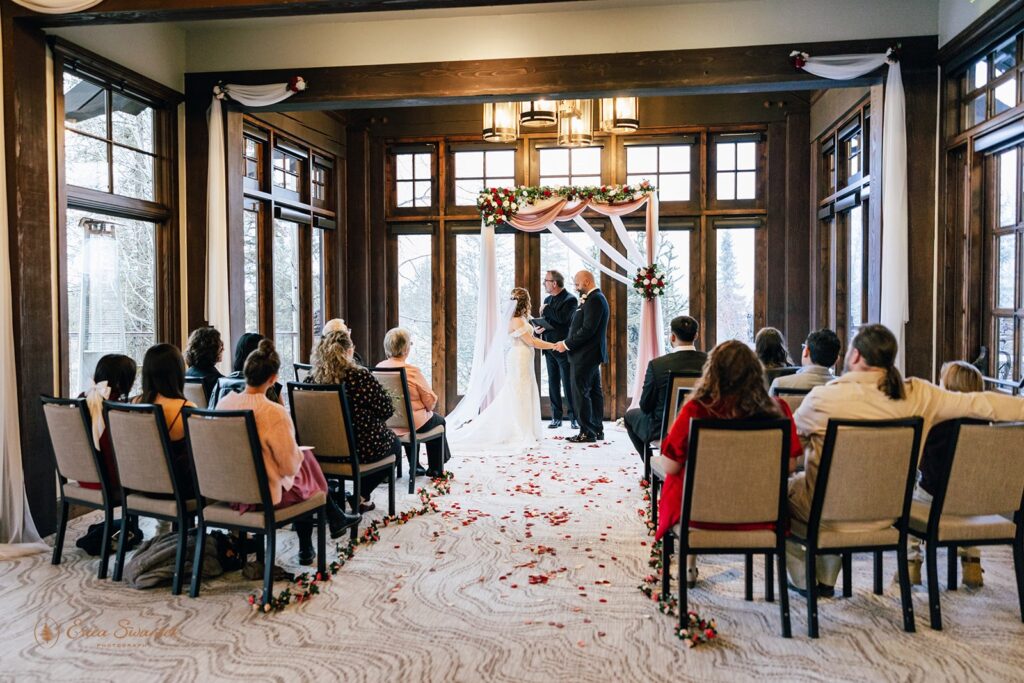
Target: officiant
[553,326]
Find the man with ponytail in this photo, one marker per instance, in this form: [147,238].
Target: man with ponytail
[872,388]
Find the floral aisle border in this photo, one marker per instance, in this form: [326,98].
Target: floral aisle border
[307,585]
[698,630]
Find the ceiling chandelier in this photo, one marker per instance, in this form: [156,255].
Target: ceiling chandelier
[574,119]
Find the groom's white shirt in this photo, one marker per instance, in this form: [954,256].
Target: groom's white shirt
[684,347]
[585,294]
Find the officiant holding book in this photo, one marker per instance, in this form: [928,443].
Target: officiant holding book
[553,326]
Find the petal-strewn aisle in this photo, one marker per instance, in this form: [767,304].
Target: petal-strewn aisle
[528,572]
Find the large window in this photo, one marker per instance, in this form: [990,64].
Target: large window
[477,169]
[317,280]
[990,85]
[667,167]
[1006,228]
[580,166]
[735,284]
[415,298]
[252,213]
[116,214]
[286,291]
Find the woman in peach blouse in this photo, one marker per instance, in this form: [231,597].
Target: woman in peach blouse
[397,344]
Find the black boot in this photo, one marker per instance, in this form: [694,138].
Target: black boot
[304,530]
[338,520]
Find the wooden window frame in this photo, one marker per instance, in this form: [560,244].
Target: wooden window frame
[693,141]
[391,179]
[604,143]
[966,94]
[760,171]
[457,147]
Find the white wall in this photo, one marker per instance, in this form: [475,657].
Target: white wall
[579,28]
[956,15]
[156,51]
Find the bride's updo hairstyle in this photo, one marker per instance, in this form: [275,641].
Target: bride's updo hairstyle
[522,299]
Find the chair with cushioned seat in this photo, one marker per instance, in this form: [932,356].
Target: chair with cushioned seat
[228,467]
[323,421]
[736,473]
[981,504]
[866,474]
[680,386]
[771,374]
[792,396]
[69,427]
[138,435]
[194,391]
[402,421]
[225,386]
[302,371]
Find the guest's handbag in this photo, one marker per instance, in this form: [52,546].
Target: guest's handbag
[92,541]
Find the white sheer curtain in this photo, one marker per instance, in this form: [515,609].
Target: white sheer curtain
[218,305]
[895,308]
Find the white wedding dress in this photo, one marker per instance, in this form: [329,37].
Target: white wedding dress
[511,422]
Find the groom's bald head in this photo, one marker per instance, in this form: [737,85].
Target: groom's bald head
[584,281]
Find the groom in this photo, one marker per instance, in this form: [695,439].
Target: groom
[587,346]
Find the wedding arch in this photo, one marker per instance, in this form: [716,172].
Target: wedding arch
[535,209]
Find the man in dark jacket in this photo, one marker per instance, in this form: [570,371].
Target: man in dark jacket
[587,347]
[644,423]
[553,326]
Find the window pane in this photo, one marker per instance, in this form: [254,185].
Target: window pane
[674,187]
[976,110]
[403,194]
[467,283]
[745,155]
[554,181]
[977,75]
[111,281]
[746,187]
[133,174]
[726,183]
[554,162]
[403,166]
[415,304]
[469,164]
[422,191]
[1004,348]
[85,105]
[726,156]
[85,162]
[856,293]
[317,277]
[735,280]
[1005,96]
[1008,187]
[422,167]
[586,180]
[642,160]
[674,158]
[132,122]
[500,182]
[501,163]
[1007,269]
[250,258]
[1004,58]
[286,292]
[466,191]
[586,161]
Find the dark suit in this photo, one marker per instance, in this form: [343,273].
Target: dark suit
[644,423]
[558,311]
[587,345]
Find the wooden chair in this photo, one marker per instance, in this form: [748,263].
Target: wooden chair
[227,465]
[984,492]
[395,383]
[866,473]
[138,434]
[736,473]
[323,421]
[671,407]
[194,391]
[792,397]
[771,374]
[225,386]
[302,371]
[69,427]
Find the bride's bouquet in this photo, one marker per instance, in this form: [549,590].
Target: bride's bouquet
[649,281]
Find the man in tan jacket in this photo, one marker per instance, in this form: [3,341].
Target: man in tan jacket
[872,389]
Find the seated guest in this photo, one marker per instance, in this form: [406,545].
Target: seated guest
[293,474]
[202,353]
[643,424]
[872,389]
[397,345]
[334,325]
[112,380]
[821,351]
[935,464]
[163,383]
[370,405]
[770,346]
[247,343]
[732,388]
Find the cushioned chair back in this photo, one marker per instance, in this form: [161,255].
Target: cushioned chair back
[194,391]
[677,396]
[225,386]
[71,438]
[137,434]
[302,371]
[868,476]
[222,456]
[988,471]
[737,475]
[772,373]
[394,383]
[320,421]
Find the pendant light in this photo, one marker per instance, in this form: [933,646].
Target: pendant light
[575,123]
[538,113]
[501,121]
[619,114]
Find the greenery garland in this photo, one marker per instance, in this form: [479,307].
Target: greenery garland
[307,585]
[500,204]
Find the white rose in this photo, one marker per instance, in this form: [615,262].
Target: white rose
[505,203]
[647,281]
[514,206]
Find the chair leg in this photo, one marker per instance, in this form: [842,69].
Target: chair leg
[321,541]
[412,453]
[769,578]
[179,558]
[847,575]
[748,576]
[811,579]
[666,568]
[904,575]
[268,565]
[62,526]
[684,609]
[879,572]
[108,529]
[951,572]
[1018,569]
[391,492]
[934,608]
[197,561]
[119,560]
[780,556]
[655,491]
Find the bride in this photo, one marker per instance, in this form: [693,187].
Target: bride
[511,421]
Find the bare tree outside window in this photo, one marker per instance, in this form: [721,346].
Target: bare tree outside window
[415,309]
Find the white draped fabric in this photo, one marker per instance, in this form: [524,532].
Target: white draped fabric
[18,534]
[218,306]
[895,298]
[57,6]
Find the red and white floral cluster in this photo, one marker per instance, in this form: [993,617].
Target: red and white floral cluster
[649,282]
[499,204]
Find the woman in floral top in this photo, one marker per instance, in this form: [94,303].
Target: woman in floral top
[368,401]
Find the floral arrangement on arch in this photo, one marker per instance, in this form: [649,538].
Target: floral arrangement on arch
[649,282]
[500,204]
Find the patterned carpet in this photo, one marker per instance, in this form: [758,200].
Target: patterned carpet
[448,597]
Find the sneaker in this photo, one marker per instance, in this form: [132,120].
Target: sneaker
[972,572]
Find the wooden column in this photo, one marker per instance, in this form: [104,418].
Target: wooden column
[797,277]
[197,145]
[357,274]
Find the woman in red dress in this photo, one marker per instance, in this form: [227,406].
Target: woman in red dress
[732,388]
